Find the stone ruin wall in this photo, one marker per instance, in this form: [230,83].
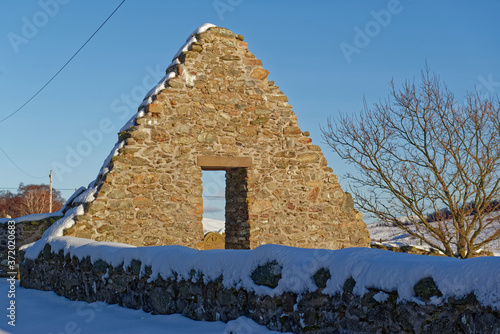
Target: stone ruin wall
[221,112]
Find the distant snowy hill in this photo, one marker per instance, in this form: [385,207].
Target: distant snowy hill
[213,225]
[390,235]
[379,232]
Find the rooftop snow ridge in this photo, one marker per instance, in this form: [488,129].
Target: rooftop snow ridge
[172,68]
[83,196]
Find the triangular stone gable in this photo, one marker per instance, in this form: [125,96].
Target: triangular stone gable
[216,109]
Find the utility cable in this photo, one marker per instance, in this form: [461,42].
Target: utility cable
[22,170]
[53,77]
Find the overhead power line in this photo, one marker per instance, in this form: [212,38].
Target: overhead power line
[53,77]
[22,170]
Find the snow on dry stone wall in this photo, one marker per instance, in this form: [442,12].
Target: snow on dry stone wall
[284,288]
[26,232]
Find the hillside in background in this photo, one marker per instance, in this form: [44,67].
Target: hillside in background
[389,235]
[384,233]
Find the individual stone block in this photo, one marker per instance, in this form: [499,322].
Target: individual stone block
[426,288]
[259,73]
[268,274]
[321,277]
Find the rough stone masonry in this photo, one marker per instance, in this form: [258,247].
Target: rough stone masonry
[133,285]
[220,112]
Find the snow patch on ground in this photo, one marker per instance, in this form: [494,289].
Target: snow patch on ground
[46,312]
[244,325]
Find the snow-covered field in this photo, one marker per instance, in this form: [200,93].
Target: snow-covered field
[391,235]
[47,313]
[213,225]
[383,233]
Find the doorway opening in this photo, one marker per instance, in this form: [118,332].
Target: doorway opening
[214,200]
[236,226]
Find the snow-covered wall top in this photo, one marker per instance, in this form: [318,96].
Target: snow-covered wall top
[32,217]
[171,69]
[370,268]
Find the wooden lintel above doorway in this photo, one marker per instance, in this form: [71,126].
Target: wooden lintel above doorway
[223,163]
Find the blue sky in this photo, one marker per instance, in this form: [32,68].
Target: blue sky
[324,55]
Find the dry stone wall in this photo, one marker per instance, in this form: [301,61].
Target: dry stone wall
[220,111]
[133,286]
[25,232]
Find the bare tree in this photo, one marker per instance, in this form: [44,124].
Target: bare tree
[29,199]
[420,151]
[35,199]
[10,204]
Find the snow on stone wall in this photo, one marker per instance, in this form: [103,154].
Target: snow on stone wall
[284,288]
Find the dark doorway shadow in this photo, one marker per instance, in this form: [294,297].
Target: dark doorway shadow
[237,225]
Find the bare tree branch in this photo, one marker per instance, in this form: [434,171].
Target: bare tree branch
[421,152]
